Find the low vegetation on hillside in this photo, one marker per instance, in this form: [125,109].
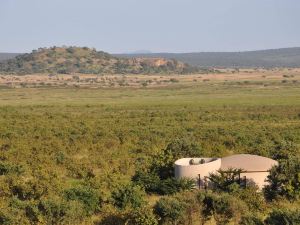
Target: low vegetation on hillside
[272,58]
[68,60]
[105,157]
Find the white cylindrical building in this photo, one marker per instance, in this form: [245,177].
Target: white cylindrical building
[255,168]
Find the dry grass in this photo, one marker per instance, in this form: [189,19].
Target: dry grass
[137,81]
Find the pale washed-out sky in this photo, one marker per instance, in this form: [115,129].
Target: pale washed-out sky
[119,26]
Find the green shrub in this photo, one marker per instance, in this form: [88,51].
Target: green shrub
[128,196]
[252,197]
[153,184]
[53,211]
[5,219]
[6,168]
[163,163]
[251,220]
[172,186]
[33,213]
[159,177]
[284,179]
[169,209]
[223,207]
[283,217]
[143,216]
[30,190]
[114,219]
[149,181]
[225,180]
[88,197]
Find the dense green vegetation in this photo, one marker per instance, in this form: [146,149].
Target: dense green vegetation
[80,156]
[68,60]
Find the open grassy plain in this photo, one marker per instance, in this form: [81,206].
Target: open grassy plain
[56,138]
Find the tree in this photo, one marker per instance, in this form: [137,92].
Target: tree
[163,163]
[128,196]
[223,207]
[284,179]
[88,197]
[171,185]
[169,209]
[159,176]
[148,180]
[225,180]
[153,184]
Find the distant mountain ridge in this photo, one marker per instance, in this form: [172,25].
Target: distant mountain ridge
[283,57]
[67,60]
[5,56]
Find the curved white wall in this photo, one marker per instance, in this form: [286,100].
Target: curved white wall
[183,168]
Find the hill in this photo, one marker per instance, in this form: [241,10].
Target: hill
[66,60]
[284,57]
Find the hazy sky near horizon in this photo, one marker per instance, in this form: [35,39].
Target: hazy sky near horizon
[119,26]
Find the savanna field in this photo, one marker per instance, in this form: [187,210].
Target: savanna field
[70,155]
[149,112]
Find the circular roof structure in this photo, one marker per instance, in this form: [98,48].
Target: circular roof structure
[247,162]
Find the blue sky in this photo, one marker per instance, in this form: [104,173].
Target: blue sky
[119,26]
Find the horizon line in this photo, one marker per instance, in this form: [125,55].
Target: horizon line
[163,52]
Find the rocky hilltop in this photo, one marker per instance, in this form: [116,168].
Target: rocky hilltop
[67,60]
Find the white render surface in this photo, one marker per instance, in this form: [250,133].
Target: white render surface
[247,162]
[184,169]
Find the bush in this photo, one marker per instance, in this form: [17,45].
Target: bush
[193,207]
[6,168]
[88,197]
[222,207]
[54,211]
[114,219]
[149,181]
[5,219]
[225,180]
[169,209]
[283,217]
[284,179]
[30,190]
[163,163]
[128,196]
[159,176]
[252,197]
[153,184]
[251,220]
[172,186]
[143,216]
